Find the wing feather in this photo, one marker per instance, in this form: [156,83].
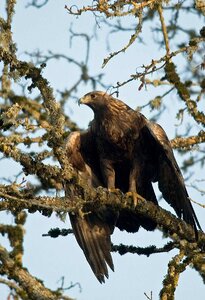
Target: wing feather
[90,230]
[169,177]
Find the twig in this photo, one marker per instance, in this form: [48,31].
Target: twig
[131,41]
[164,29]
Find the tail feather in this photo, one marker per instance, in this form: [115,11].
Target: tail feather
[93,237]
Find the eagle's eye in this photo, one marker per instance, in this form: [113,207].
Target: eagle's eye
[93,96]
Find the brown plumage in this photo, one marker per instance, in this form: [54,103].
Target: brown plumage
[122,149]
[125,136]
[92,231]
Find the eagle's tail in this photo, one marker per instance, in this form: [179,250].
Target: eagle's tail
[93,236]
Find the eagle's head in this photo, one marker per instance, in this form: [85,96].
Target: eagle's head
[95,100]
[103,104]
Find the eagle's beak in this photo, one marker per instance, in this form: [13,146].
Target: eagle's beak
[84,100]
[79,102]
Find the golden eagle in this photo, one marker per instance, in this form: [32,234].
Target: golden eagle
[122,149]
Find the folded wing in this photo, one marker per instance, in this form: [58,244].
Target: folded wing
[92,231]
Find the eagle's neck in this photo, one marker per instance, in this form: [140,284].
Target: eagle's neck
[111,111]
[111,124]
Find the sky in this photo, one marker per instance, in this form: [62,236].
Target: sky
[50,259]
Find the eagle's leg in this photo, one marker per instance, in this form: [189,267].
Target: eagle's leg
[108,173]
[134,174]
[132,183]
[133,179]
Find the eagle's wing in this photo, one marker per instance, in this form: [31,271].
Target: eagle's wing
[169,177]
[92,231]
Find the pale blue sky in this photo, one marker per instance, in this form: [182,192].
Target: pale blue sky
[49,259]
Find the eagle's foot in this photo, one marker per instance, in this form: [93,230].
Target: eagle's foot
[136,197]
[113,190]
[82,213]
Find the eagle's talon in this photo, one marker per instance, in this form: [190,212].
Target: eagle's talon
[136,197]
[115,191]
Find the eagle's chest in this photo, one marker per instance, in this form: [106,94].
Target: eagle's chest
[116,142]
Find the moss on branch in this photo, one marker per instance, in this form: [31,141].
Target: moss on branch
[183,92]
[95,200]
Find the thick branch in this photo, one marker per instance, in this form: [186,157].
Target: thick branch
[180,142]
[183,92]
[96,200]
[57,119]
